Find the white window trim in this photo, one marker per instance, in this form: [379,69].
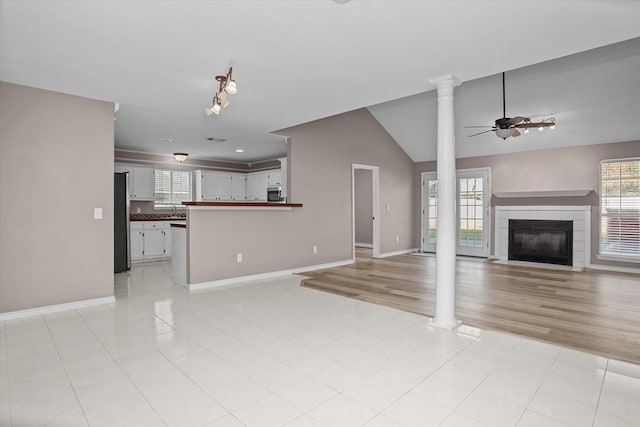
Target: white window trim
[174,206]
[599,255]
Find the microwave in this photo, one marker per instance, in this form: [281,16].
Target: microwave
[274,194]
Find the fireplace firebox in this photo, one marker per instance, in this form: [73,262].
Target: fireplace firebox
[543,241]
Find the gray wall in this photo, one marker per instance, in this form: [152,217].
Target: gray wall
[56,166]
[320,157]
[572,168]
[363,206]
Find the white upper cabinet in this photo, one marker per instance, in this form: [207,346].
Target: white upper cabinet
[283,173]
[214,186]
[274,177]
[238,187]
[141,181]
[229,186]
[257,183]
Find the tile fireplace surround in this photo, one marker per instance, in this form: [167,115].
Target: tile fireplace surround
[580,215]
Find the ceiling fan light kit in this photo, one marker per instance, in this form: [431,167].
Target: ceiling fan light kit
[506,127]
[226,85]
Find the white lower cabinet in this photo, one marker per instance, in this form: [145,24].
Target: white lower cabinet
[137,241]
[150,240]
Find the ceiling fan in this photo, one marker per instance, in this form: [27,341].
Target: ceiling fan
[509,126]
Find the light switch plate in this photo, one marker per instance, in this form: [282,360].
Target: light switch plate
[97,213]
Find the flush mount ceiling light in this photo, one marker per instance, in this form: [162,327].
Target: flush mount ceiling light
[181,157]
[221,100]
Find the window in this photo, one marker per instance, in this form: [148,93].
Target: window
[172,188]
[620,209]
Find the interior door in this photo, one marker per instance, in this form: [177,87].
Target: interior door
[472,209]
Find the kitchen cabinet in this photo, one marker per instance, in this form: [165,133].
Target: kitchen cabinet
[238,187]
[283,173]
[137,241]
[141,181]
[213,186]
[144,183]
[274,178]
[150,240]
[154,239]
[257,183]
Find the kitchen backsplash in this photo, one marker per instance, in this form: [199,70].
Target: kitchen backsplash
[146,217]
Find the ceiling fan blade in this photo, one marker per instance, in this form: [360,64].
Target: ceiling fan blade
[515,133]
[480,133]
[516,120]
[534,125]
[469,127]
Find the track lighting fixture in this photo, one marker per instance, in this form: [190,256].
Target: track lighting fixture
[226,86]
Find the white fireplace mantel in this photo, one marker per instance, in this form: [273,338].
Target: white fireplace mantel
[541,193]
[580,215]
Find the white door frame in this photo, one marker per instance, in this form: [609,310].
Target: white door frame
[486,201]
[487,206]
[424,246]
[375,181]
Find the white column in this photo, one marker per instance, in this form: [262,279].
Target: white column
[445,312]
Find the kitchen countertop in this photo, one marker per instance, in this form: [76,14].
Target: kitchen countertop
[244,204]
[156,217]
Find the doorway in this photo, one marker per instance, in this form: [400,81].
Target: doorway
[473,196]
[365,209]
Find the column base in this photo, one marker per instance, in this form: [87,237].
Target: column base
[432,321]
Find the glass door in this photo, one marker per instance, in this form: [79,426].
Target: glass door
[429,211]
[472,208]
[473,212]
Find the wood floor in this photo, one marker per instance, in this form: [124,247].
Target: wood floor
[595,311]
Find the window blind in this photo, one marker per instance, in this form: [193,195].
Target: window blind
[171,188]
[620,208]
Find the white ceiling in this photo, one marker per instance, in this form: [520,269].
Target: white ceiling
[297,61]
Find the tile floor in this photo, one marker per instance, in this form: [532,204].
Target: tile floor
[276,354]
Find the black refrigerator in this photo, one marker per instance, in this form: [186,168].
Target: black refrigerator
[121,235]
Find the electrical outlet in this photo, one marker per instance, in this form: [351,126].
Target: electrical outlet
[397,239]
[388,206]
[238,257]
[315,249]
[97,213]
[138,210]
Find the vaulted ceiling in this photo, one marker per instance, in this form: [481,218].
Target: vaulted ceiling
[298,61]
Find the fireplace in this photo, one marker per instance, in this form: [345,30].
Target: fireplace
[544,241]
[580,215]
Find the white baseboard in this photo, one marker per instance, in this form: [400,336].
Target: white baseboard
[401,252]
[262,276]
[364,245]
[48,309]
[614,268]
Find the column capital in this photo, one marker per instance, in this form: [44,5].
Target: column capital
[444,81]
